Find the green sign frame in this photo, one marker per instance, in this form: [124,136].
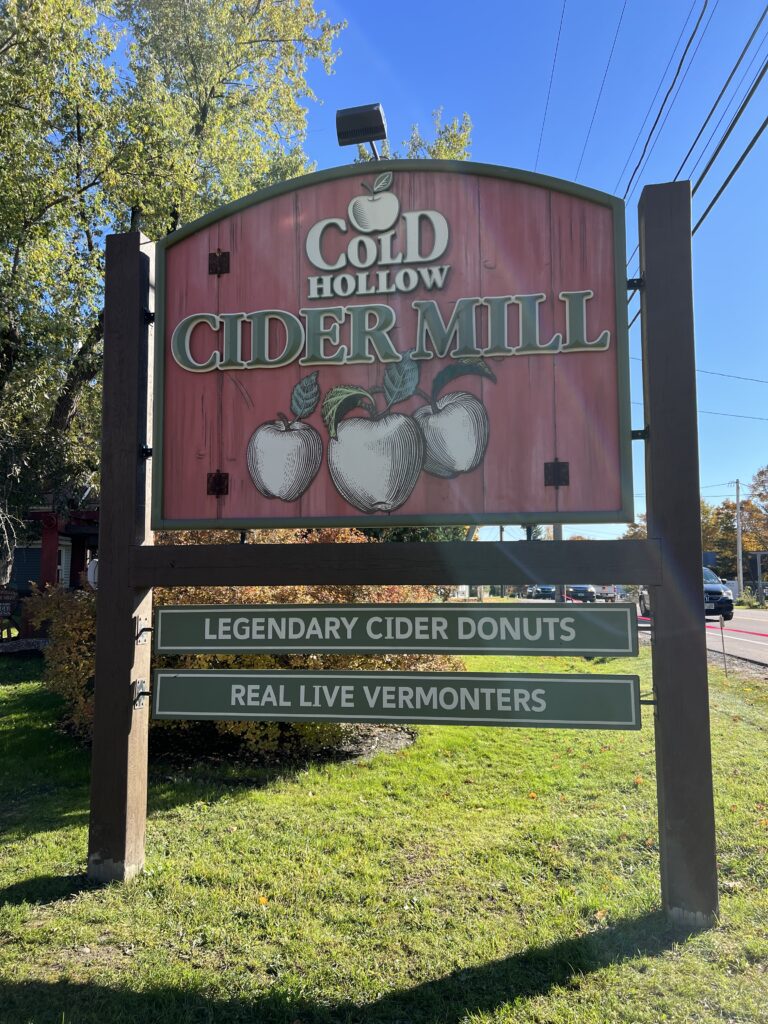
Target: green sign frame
[544,629]
[625,512]
[455,698]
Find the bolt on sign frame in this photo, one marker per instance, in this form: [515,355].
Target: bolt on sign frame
[669,561]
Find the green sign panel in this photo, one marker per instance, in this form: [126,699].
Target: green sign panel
[460,698]
[380,628]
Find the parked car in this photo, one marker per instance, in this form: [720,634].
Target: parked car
[606,592]
[718,598]
[545,591]
[581,591]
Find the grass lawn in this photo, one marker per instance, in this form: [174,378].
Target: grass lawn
[503,875]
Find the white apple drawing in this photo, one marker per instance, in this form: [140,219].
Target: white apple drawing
[284,458]
[455,433]
[375,463]
[377,211]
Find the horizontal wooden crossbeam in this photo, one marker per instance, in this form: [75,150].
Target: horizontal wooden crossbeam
[510,562]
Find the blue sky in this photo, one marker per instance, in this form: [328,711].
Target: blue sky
[493,59]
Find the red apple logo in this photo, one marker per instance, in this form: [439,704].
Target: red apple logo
[377,211]
[375,460]
[284,456]
[455,427]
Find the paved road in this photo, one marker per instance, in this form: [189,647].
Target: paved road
[746,635]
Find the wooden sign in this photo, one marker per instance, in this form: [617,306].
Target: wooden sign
[609,630]
[456,698]
[399,342]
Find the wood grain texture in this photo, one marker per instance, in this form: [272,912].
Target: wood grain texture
[631,561]
[687,844]
[119,757]
[506,238]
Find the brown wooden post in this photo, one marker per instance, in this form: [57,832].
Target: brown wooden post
[119,762]
[683,754]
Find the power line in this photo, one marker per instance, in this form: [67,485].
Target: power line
[734,121]
[549,90]
[728,106]
[667,95]
[674,99]
[745,102]
[756,82]
[730,177]
[714,106]
[718,373]
[600,93]
[658,90]
[732,416]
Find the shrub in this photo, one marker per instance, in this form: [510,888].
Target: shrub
[70,655]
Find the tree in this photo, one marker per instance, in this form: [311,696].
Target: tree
[451,141]
[118,116]
[637,530]
[758,509]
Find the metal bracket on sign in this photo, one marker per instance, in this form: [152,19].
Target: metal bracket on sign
[218,484]
[139,691]
[218,263]
[557,474]
[143,629]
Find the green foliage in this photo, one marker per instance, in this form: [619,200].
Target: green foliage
[69,617]
[450,141]
[70,657]
[118,116]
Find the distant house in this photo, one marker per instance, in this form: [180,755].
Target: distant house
[62,554]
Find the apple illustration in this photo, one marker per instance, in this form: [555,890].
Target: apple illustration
[375,463]
[284,456]
[455,434]
[377,211]
[455,427]
[374,460]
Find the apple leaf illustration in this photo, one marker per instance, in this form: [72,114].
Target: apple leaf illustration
[305,396]
[401,379]
[341,400]
[383,181]
[462,368]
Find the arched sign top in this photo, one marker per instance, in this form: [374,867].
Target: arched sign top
[467,167]
[395,342]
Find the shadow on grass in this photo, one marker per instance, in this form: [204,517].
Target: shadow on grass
[45,771]
[45,889]
[447,1000]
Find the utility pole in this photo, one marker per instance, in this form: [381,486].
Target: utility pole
[739,566]
[557,534]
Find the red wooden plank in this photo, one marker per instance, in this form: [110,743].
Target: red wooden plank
[191,427]
[586,400]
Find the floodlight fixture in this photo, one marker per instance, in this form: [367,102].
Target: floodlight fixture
[357,125]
